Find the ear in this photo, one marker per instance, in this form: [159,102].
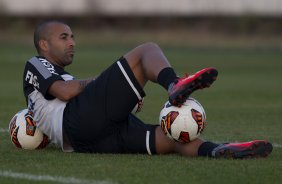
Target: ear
[43,44]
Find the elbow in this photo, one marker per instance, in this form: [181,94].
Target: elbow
[65,97]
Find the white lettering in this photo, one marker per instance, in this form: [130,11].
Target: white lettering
[29,75]
[31,79]
[48,65]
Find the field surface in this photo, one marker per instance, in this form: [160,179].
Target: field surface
[245,103]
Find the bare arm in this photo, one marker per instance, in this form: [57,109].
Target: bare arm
[65,90]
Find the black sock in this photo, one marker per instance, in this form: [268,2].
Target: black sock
[166,77]
[206,149]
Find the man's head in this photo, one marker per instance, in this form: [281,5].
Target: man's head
[54,40]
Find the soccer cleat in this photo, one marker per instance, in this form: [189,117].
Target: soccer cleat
[182,88]
[252,149]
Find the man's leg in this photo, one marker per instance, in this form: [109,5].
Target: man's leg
[198,147]
[165,145]
[148,62]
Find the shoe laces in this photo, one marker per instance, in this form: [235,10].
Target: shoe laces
[177,80]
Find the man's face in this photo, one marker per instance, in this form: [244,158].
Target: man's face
[60,44]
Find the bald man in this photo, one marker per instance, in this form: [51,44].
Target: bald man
[95,115]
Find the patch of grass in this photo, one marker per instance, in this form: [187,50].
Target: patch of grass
[244,103]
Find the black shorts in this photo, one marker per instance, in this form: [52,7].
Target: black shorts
[99,119]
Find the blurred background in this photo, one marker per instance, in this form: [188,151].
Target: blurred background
[254,23]
[241,38]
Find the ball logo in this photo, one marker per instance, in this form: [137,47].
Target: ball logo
[31,128]
[198,117]
[15,138]
[30,124]
[184,137]
[44,142]
[14,131]
[167,121]
[13,124]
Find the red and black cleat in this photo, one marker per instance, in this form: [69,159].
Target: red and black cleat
[252,149]
[182,88]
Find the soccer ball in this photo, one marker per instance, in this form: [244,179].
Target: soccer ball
[183,124]
[24,133]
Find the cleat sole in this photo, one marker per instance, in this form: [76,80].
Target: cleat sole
[257,150]
[204,80]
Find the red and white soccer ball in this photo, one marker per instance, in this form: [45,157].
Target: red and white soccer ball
[183,124]
[24,133]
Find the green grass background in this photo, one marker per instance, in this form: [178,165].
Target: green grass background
[245,103]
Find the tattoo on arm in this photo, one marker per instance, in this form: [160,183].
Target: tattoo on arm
[83,83]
